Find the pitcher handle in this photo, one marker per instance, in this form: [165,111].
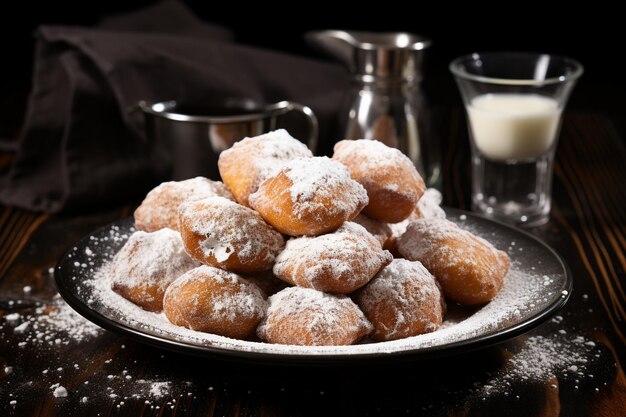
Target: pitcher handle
[288,106]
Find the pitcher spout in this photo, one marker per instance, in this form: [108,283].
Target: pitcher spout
[374,55]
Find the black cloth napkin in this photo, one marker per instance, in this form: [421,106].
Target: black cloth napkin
[83,143]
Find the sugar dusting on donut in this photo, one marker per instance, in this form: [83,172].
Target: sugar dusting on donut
[160,207]
[231,224]
[407,290]
[327,319]
[457,257]
[374,156]
[350,255]
[317,179]
[151,257]
[412,243]
[150,260]
[226,305]
[267,153]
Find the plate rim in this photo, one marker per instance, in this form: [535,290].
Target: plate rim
[430,352]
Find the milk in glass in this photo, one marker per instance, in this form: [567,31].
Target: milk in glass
[513,136]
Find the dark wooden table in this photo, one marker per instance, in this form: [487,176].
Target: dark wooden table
[568,366]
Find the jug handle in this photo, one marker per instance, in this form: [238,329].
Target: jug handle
[283,107]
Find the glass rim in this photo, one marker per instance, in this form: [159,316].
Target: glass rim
[458,71]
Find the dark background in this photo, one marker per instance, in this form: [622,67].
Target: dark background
[592,34]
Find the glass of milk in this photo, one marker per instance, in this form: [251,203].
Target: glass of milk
[514,103]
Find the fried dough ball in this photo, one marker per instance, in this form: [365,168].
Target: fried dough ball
[339,262]
[393,184]
[303,316]
[402,300]
[381,231]
[212,300]
[470,270]
[227,235]
[250,161]
[160,207]
[147,264]
[309,196]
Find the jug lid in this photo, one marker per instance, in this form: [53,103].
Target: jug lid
[373,56]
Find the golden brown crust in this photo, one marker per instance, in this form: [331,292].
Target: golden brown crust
[227,235]
[160,207]
[250,161]
[147,264]
[338,262]
[302,316]
[470,270]
[403,300]
[211,300]
[332,198]
[393,184]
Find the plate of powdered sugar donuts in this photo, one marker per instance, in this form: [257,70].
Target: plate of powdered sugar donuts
[295,258]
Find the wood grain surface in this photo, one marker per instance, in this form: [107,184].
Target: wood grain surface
[569,366]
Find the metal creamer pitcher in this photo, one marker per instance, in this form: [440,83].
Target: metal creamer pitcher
[386,100]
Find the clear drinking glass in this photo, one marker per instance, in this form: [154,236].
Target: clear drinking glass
[514,103]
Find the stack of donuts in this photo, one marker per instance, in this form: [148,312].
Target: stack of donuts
[303,250]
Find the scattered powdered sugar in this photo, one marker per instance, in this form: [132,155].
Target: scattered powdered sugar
[231,228]
[53,324]
[59,391]
[159,389]
[341,261]
[540,359]
[321,183]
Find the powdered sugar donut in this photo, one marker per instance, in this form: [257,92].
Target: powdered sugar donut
[393,184]
[309,196]
[402,300]
[211,300]
[339,262]
[250,161]
[470,270]
[160,207]
[147,264]
[302,316]
[227,235]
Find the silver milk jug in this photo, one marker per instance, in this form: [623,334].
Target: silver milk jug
[386,101]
